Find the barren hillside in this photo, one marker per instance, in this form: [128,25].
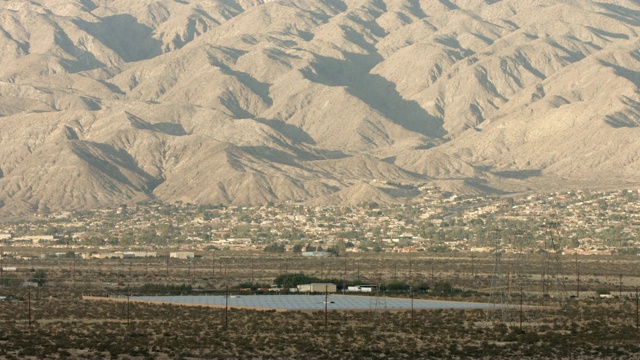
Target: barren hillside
[319,101]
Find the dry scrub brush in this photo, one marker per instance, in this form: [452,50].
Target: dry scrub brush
[77,329]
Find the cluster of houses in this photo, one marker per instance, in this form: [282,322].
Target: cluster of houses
[369,227]
[183,255]
[327,288]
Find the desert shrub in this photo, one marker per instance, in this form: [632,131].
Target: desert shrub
[422,287]
[442,287]
[397,285]
[39,276]
[293,280]
[163,289]
[274,248]
[10,281]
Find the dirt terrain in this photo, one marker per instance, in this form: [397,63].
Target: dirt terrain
[56,323]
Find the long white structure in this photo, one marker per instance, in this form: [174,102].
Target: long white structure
[317,287]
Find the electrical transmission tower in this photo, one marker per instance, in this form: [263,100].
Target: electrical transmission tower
[512,280]
[521,284]
[553,281]
[498,297]
[376,303]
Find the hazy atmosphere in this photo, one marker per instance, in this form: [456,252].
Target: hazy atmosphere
[318,102]
[319,179]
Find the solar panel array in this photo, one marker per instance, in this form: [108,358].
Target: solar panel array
[313,302]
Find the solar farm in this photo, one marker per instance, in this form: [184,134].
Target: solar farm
[311,302]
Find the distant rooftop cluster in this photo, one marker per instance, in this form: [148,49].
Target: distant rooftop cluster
[580,222]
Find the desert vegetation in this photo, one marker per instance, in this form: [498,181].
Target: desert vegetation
[71,328]
[50,320]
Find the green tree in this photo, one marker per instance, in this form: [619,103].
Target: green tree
[424,287]
[292,280]
[443,287]
[341,247]
[603,291]
[397,285]
[39,277]
[275,248]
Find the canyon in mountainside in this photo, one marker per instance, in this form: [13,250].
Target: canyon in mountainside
[104,102]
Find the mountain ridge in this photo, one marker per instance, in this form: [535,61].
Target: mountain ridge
[323,101]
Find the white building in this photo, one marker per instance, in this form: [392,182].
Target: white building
[182,255]
[362,288]
[35,239]
[111,255]
[140,254]
[318,287]
[316,254]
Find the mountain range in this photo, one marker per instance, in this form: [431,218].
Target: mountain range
[246,102]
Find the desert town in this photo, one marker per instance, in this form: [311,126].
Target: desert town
[582,222]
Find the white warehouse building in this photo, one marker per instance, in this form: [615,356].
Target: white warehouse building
[182,255]
[318,287]
[362,288]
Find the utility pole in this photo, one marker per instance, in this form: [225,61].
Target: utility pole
[344,277]
[89,267]
[29,306]
[544,277]
[578,278]
[473,270]
[409,264]
[521,315]
[432,275]
[620,288]
[226,308]
[412,316]
[326,307]
[119,270]
[128,312]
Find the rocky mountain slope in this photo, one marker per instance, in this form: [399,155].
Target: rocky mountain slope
[320,101]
